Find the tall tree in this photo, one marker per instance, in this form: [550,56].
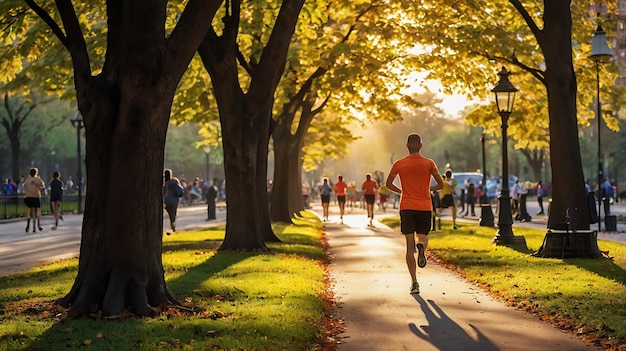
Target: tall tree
[126,109]
[350,63]
[245,114]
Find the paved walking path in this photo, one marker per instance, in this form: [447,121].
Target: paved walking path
[372,286]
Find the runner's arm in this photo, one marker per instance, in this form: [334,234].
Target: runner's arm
[389,183]
[435,173]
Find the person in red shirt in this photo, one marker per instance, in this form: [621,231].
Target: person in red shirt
[369,188]
[415,172]
[340,190]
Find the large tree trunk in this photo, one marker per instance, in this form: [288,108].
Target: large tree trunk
[535,160]
[241,157]
[568,210]
[126,113]
[285,154]
[288,145]
[120,258]
[569,200]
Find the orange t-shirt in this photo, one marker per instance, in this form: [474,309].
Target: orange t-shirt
[415,172]
[369,187]
[340,188]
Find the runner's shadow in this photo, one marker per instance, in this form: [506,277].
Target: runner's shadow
[445,334]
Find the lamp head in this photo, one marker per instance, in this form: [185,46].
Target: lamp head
[77,120]
[505,92]
[600,51]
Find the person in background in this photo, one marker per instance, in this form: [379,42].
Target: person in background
[325,190]
[32,187]
[540,195]
[56,197]
[210,191]
[515,192]
[383,197]
[471,199]
[607,194]
[340,189]
[353,195]
[447,196]
[415,172]
[172,192]
[69,185]
[369,187]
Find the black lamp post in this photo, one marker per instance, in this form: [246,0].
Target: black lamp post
[600,53]
[207,152]
[505,97]
[486,215]
[77,122]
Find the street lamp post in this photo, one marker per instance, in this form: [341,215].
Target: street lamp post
[486,215]
[600,53]
[77,122]
[207,152]
[505,97]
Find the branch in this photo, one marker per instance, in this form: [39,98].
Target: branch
[43,14]
[529,21]
[273,58]
[537,73]
[194,26]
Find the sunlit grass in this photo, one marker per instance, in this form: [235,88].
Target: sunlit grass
[234,301]
[587,294]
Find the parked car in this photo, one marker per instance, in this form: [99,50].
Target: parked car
[461,177]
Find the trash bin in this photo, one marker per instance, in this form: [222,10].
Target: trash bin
[610,223]
[486,216]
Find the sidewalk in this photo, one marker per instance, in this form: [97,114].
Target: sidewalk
[372,288]
[20,250]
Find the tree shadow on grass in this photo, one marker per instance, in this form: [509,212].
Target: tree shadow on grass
[602,267]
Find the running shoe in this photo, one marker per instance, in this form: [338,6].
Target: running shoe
[415,288]
[421,258]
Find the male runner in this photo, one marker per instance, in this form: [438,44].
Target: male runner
[415,172]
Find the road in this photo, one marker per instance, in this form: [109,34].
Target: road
[20,250]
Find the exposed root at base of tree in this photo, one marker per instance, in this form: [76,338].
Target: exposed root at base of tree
[51,310]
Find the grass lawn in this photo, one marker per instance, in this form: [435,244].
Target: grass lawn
[232,301]
[586,296]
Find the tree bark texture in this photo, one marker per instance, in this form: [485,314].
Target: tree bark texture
[288,158]
[126,111]
[569,201]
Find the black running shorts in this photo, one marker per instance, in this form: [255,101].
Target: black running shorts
[447,201]
[32,202]
[413,221]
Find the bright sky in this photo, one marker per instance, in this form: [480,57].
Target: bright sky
[452,105]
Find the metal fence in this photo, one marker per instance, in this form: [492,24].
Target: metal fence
[13,206]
